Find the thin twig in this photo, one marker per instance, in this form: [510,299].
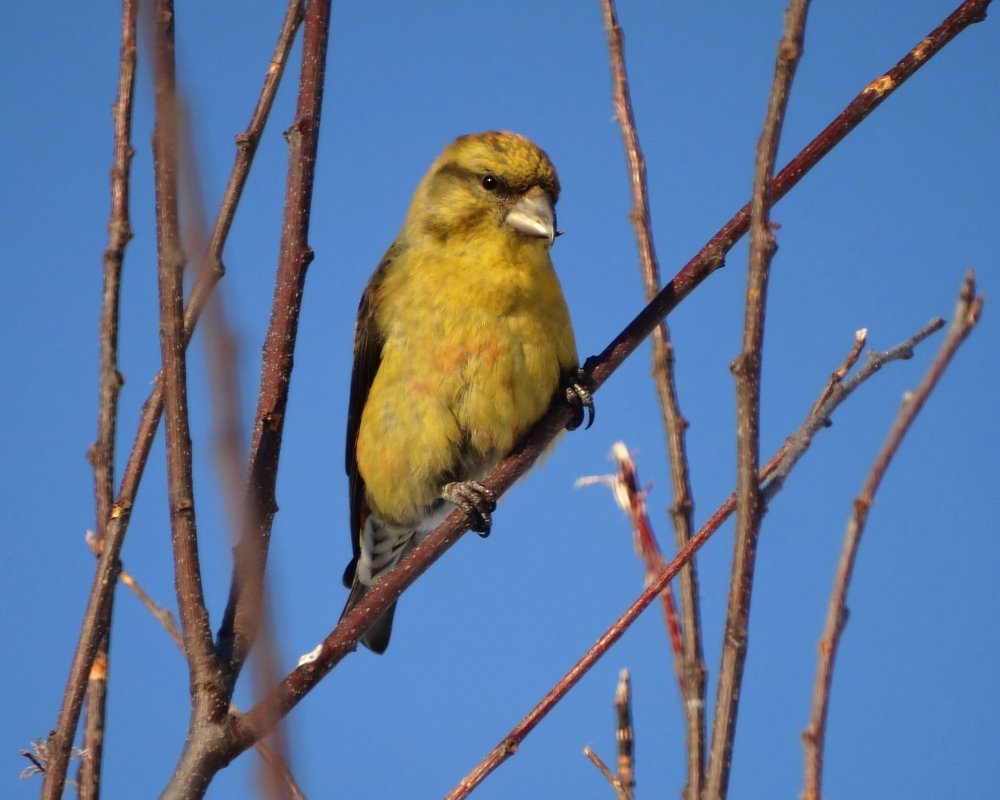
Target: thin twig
[688,663]
[632,500]
[747,370]
[603,768]
[160,613]
[195,628]
[96,617]
[838,375]
[967,313]
[625,734]
[102,452]
[834,394]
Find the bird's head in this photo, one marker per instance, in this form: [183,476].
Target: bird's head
[488,180]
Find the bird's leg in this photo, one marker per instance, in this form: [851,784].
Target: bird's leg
[475,500]
[579,396]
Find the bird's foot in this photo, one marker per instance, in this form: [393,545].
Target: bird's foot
[475,500]
[579,396]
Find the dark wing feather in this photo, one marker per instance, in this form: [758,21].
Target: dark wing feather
[368,341]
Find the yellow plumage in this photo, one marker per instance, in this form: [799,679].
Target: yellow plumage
[463,338]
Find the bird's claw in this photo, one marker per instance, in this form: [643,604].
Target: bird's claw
[475,500]
[579,396]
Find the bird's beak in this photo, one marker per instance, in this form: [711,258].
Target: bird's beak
[533,215]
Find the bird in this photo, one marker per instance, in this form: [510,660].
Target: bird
[462,340]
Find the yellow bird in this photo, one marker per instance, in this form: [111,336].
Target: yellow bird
[462,340]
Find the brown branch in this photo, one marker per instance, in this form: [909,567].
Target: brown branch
[97,615]
[967,314]
[632,500]
[835,392]
[275,779]
[229,446]
[159,613]
[747,370]
[838,375]
[343,638]
[206,753]
[689,663]
[102,452]
[604,769]
[195,629]
[240,623]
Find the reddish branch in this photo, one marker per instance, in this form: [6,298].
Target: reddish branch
[747,370]
[834,393]
[633,500]
[967,314]
[688,662]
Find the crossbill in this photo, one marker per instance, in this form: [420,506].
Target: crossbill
[462,340]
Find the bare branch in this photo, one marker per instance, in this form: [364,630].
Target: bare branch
[688,663]
[967,314]
[98,611]
[195,628]
[102,452]
[512,741]
[747,369]
[603,768]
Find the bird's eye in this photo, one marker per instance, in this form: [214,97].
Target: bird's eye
[490,182]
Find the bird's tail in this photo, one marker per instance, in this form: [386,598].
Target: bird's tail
[376,638]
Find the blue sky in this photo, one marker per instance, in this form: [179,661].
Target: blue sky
[878,236]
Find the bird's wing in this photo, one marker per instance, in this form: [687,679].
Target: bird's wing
[368,341]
